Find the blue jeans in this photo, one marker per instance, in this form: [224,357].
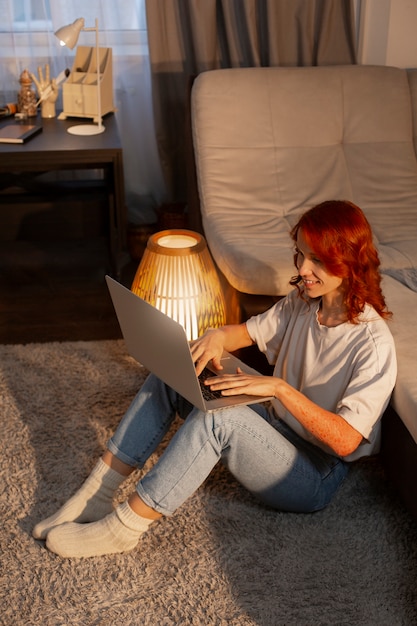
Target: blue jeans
[263,454]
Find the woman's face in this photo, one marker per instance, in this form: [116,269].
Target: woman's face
[316,279]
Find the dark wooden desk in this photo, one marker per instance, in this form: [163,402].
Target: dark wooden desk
[55,149]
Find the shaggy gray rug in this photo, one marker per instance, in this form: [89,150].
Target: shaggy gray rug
[222,559]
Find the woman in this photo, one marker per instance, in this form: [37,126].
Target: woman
[335,369]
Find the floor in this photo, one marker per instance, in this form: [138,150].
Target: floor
[57,291]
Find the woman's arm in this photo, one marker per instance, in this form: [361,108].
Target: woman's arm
[326,426]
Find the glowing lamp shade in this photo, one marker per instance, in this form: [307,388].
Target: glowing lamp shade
[68,35]
[178,277]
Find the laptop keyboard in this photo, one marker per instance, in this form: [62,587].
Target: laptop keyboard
[208,394]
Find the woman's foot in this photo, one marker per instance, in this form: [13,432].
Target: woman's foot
[93,501]
[117,532]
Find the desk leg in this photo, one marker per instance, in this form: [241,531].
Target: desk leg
[117,218]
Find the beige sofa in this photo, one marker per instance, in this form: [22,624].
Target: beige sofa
[270,143]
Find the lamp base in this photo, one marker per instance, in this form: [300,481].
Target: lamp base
[86,129]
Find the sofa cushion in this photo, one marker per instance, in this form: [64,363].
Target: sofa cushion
[402,301]
[272,142]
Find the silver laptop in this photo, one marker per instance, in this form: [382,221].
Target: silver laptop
[161,346]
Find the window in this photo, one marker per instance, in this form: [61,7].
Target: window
[38,15]
[31,14]
[122,26]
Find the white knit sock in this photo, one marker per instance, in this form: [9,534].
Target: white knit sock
[91,502]
[117,532]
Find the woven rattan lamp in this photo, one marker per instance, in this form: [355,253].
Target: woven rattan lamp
[178,277]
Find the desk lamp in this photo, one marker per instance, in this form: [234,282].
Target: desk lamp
[68,36]
[178,277]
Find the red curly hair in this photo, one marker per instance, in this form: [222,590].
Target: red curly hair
[340,235]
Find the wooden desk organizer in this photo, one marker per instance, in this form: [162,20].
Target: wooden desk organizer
[79,92]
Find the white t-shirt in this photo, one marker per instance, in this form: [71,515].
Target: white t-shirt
[348,369]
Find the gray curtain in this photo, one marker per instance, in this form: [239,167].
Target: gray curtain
[187,37]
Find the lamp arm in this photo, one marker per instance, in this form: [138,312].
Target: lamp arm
[95,29]
[100,123]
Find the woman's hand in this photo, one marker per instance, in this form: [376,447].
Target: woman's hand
[241,383]
[207,348]
[215,341]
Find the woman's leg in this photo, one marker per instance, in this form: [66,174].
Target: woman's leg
[142,428]
[271,462]
[264,455]
[146,422]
